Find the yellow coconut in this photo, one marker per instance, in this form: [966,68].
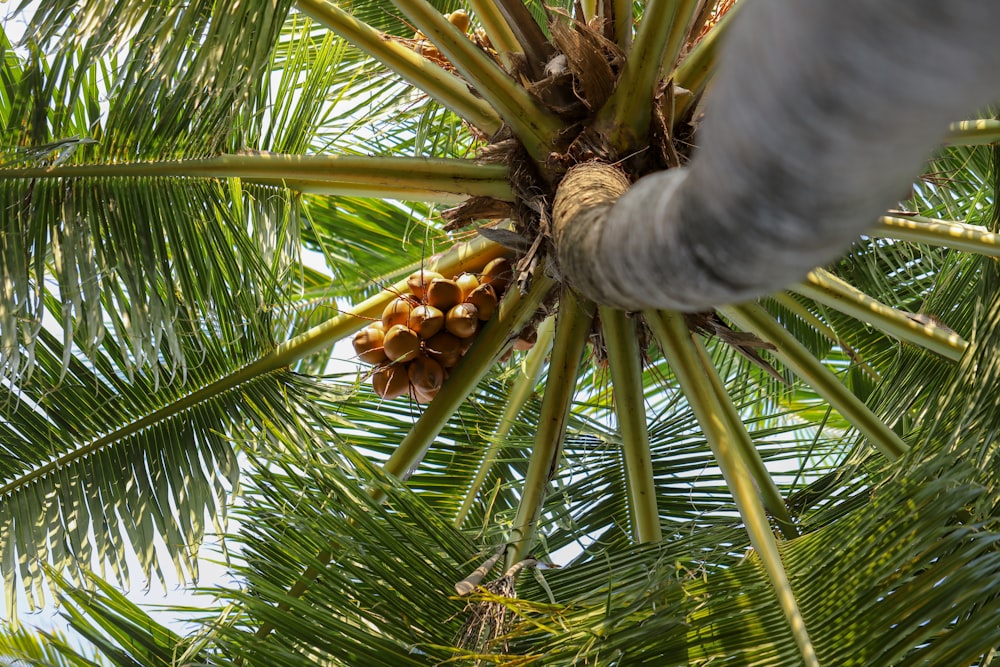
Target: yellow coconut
[397,312]
[426,320]
[444,293]
[426,375]
[484,298]
[368,344]
[420,280]
[468,283]
[444,348]
[401,343]
[498,273]
[391,381]
[460,19]
[462,320]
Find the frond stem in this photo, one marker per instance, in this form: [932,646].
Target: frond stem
[826,288]
[521,391]
[445,180]
[496,28]
[625,361]
[462,257]
[530,120]
[572,328]
[623,23]
[700,383]
[753,318]
[694,72]
[973,132]
[825,329]
[434,80]
[661,324]
[957,235]
[626,116]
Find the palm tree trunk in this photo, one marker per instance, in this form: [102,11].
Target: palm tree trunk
[819,120]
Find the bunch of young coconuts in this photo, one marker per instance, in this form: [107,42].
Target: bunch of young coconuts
[423,334]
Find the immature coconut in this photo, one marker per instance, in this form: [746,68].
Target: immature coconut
[390,382]
[419,281]
[397,312]
[468,283]
[444,293]
[401,343]
[484,298]
[368,344]
[462,320]
[426,377]
[445,348]
[498,273]
[426,320]
[459,18]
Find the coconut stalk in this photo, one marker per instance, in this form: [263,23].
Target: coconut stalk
[955,235]
[573,324]
[521,391]
[429,77]
[625,362]
[824,287]
[701,384]
[753,318]
[442,180]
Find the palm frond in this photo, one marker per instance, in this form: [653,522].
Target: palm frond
[102,459]
[124,251]
[190,72]
[31,648]
[361,611]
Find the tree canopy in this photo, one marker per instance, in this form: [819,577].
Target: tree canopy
[201,200]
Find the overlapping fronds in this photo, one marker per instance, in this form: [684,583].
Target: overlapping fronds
[125,253]
[396,565]
[102,460]
[157,331]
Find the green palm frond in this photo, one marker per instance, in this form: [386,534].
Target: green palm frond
[23,646]
[119,632]
[619,603]
[102,460]
[194,71]
[295,507]
[851,592]
[123,248]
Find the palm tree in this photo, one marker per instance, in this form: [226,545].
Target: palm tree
[806,478]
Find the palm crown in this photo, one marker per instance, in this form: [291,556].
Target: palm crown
[808,478]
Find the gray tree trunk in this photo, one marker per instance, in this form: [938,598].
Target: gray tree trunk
[820,118]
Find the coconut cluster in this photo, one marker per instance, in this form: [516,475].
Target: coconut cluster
[423,334]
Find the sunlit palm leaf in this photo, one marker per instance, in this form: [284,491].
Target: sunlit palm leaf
[126,248]
[100,462]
